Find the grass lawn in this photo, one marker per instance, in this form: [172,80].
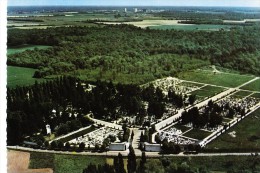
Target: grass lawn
[197,134]
[220,79]
[23,48]
[20,76]
[253,86]
[247,135]
[63,163]
[207,91]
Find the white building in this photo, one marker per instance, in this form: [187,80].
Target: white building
[135,10]
[125,10]
[48,129]
[152,147]
[119,146]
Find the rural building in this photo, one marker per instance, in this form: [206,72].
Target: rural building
[152,147]
[119,146]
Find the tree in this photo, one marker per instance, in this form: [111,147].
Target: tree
[141,168]
[53,145]
[60,145]
[131,162]
[192,99]
[67,145]
[121,168]
[154,166]
[81,146]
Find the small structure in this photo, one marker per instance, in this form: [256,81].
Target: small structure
[48,129]
[119,146]
[152,147]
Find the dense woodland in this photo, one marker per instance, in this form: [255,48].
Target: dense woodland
[64,102]
[112,52]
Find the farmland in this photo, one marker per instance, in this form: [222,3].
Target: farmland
[220,79]
[247,136]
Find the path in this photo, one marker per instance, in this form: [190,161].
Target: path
[125,153]
[136,140]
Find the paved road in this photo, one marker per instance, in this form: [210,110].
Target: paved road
[125,153]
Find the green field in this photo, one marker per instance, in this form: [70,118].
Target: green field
[62,163]
[207,91]
[247,136]
[23,48]
[197,134]
[253,86]
[20,76]
[193,27]
[220,79]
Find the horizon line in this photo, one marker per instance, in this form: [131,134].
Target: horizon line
[127,6]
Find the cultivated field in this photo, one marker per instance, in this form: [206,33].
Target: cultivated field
[220,79]
[247,136]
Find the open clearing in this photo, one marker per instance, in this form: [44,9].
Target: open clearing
[19,49]
[253,86]
[20,76]
[247,136]
[220,79]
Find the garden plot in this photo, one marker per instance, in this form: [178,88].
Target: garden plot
[174,84]
[96,137]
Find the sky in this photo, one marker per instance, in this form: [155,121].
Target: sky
[233,3]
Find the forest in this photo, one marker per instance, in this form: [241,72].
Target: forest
[115,52]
